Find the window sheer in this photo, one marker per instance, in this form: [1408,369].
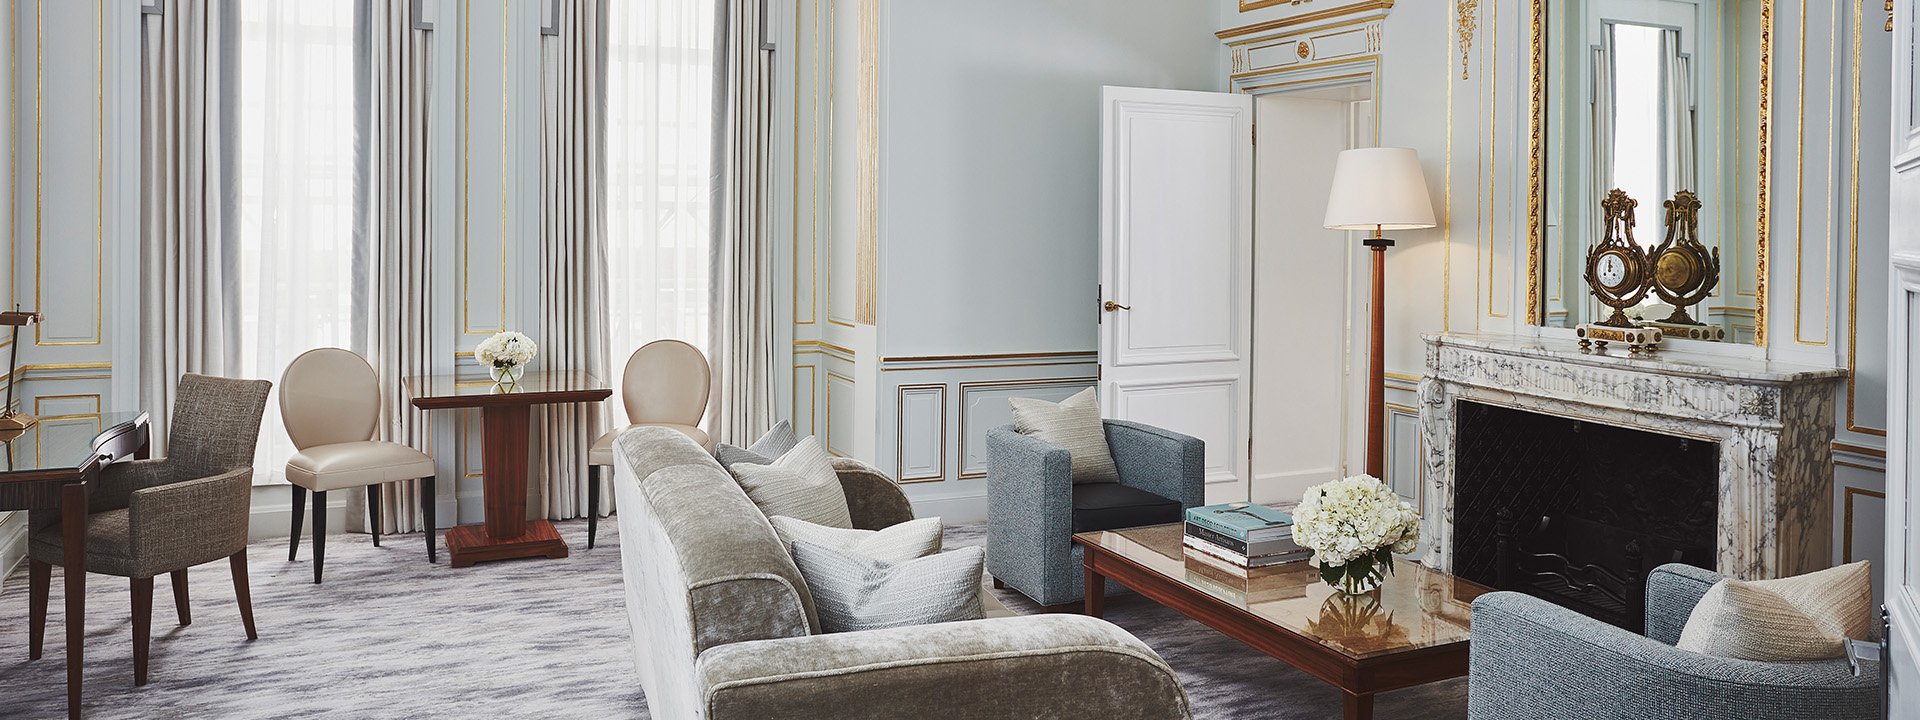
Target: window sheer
[296,165]
[659,169]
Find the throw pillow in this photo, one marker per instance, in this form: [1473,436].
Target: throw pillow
[1805,617]
[776,442]
[912,539]
[800,484]
[853,592]
[1073,424]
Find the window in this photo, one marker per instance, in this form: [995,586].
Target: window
[296,165]
[1639,144]
[659,169]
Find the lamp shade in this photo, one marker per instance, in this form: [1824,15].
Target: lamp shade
[1379,188]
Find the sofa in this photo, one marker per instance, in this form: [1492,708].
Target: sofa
[1534,659]
[724,627]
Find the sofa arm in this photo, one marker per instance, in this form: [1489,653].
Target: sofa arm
[873,500]
[1161,462]
[1534,659]
[1672,591]
[1047,666]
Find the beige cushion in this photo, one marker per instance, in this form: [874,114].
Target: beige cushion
[356,464]
[1074,425]
[908,540]
[602,451]
[800,484]
[853,592]
[1805,617]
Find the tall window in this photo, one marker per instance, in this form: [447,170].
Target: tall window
[1639,144]
[659,169]
[296,165]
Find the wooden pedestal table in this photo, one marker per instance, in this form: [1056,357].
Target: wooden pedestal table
[504,414]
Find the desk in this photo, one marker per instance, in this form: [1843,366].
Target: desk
[48,468]
[504,413]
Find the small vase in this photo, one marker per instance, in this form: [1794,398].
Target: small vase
[508,375]
[1362,575]
[1353,586]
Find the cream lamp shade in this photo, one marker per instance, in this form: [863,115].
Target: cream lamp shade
[1379,188]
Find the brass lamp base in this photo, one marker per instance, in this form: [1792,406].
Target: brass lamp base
[14,421]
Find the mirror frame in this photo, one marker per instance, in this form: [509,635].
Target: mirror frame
[1537,156]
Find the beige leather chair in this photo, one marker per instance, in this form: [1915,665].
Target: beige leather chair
[665,384]
[330,403]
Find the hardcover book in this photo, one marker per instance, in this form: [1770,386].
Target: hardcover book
[1245,522]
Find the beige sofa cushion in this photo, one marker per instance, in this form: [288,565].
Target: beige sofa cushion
[801,484]
[900,543]
[1805,617]
[853,592]
[1072,424]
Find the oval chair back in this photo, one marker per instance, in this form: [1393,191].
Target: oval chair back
[328,396]
[666,381]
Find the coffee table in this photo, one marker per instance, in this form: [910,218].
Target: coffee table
[1412,631]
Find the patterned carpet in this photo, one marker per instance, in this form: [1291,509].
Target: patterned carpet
[390,636]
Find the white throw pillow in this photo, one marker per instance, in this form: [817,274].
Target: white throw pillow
[1073,424]
[777,441]
[852,592]
[800,484]
[1805,617]
[909,540]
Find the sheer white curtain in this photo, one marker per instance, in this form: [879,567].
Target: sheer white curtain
[659,166]
[296,167]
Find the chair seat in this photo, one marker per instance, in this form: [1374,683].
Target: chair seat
[602,451]
[1111,506]
[356,464]
[109,545]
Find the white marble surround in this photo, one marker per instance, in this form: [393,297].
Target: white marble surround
[1774,423]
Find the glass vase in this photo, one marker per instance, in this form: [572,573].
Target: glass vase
[507,375]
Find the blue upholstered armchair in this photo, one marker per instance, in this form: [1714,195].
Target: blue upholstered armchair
[1034,507]
[1534,659]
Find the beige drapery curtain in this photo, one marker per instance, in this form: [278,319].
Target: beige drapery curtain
[741,341]
[573,245]
[392,245]
[188,261]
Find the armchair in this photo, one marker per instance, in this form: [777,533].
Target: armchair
[1534,659]
[1034,507]
[166,515]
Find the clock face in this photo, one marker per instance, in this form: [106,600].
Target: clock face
[1612,271]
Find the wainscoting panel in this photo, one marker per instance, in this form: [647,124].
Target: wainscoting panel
[1202,407]
[983,407]
[1860,506]
[839,414]
[1403,452]
[920,442]
[806,396]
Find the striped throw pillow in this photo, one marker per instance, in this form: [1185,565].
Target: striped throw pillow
[853,592]
[801,484]
[1072,424]
[776,442]
[1805,617]
[912,539]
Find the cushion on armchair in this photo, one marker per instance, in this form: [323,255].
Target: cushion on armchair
[1074,425]
[1804,617]
[1111,505]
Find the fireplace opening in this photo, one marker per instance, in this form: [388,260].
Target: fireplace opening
[1577,512]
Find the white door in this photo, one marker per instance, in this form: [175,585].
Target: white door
[1176,249]
[1902,570]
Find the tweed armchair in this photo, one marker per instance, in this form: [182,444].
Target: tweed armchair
[149,517]
[1534,659]
[1034,507]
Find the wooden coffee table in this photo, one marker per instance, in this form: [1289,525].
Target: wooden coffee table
[1413,631]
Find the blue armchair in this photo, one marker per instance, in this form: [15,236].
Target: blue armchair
[1534,659]
[1034,507]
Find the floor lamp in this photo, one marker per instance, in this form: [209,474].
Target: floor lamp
[1376,190]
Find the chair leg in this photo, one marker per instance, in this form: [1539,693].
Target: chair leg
[39,583]
[593,504]
[299,513]
[178,578]
[373,512]
[319,534]
[426,518]
[242,591]
[142,626]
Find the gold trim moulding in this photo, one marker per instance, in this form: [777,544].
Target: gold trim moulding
[817,346]
[1846,541]
[900,434]
[1860,450]
[1300,19]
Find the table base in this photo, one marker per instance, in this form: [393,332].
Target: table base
[469,544]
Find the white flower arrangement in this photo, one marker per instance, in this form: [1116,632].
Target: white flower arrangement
[506,350]
[1354,526]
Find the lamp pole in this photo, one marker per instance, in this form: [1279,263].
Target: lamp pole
[1377,359]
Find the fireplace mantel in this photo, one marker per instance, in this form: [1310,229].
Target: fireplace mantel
[1774,424]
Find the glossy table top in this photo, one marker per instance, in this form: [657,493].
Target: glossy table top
[62,445]
[451,391]
[1417,608]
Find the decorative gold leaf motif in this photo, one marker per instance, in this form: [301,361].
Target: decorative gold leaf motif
[1467,23]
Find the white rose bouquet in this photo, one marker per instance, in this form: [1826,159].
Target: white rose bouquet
[1354,526]
[506,355]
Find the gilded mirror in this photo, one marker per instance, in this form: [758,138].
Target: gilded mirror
[1664,100]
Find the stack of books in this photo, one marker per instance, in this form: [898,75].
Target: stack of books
[1243,535]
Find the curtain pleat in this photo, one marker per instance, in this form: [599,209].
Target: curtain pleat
[741,342]
[573,246]
[393,242]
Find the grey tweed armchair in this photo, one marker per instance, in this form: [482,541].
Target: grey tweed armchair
[1533,659]
[149,517]
[1034,507]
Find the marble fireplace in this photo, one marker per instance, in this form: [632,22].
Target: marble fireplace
[1770,424]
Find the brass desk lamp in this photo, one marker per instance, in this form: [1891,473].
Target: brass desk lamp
[12,421]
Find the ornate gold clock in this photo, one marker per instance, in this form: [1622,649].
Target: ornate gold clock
[1684,272]
[1619,274]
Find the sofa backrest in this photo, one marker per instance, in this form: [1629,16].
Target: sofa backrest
[701,564]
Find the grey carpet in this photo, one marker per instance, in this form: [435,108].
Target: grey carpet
[389,636]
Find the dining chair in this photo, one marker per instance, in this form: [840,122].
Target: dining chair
[165,515]
[330,404]
[665,384]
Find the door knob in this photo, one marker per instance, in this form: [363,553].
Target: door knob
[1111,306]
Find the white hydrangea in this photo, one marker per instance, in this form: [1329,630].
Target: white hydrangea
[507,349]
[1347,519]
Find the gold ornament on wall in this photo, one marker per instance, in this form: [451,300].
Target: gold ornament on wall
[1466,23]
